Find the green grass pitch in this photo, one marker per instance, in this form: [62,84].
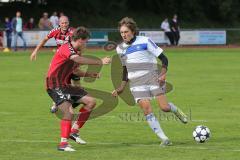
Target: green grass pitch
[206,86]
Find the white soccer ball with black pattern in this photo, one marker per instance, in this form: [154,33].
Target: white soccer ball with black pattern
[201,134]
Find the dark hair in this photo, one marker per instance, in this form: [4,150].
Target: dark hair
[80,33]
[130,23]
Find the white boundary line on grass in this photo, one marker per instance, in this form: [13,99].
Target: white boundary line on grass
[7,113]
[196,120]
[129,144]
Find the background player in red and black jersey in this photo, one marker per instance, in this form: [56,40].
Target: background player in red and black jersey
[64,63]
[62,35]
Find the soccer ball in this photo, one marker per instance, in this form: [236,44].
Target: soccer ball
[201,134]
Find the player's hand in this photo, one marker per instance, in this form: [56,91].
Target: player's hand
[106,60]
[95,75]
[116,92]
[162,79]
[33,56]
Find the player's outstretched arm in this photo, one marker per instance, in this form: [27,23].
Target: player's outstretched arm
[90,61]
[81,73]
[121,88]
[40,45]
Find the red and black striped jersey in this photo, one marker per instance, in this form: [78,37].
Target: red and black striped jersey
[61,67]
[60,37]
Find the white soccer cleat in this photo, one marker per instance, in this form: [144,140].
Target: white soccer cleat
[77,139]
[65,147]
[80,141]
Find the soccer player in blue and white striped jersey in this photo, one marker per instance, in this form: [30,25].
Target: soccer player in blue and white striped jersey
[138,55]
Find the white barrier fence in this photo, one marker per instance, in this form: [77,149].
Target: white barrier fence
[34,37]
[195,37]
[190,37]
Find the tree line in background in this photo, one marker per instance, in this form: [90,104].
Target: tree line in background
[147,13]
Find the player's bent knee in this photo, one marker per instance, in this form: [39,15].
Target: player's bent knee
[90,104]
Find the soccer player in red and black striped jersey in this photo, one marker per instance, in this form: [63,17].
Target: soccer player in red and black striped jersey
[62,35]
[64,63]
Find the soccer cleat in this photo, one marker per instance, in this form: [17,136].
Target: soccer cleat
[76,138]
[65,147]
[54,108]
[166,143]
[183,118]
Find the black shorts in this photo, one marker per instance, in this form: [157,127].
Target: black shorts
[70,94]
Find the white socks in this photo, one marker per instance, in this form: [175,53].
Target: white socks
[154,124]
[172,107]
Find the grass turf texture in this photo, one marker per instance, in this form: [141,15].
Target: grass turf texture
[206,81]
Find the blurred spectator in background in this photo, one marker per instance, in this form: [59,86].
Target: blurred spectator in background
[54,20]
[17,25]
[30,24]
[166,28]
[174,25]
[44,22]
[61,14]
[8,30]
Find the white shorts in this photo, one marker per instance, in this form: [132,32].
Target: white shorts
[147,91]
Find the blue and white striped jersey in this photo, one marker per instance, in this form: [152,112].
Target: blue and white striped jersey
[142,51]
